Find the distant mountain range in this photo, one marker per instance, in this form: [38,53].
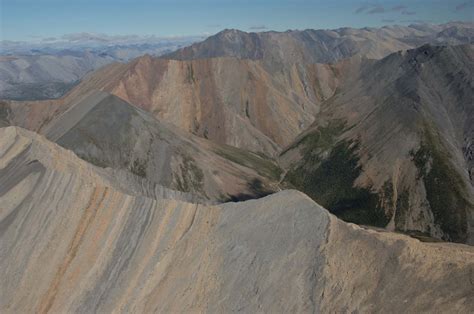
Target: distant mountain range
[325,46]
[47,70]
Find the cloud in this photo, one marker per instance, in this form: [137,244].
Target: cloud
[416,21]
[399,8]
[75,37]
[388,21]
[96,42]
[405,12]
[85,39]
[369,8]
[80,37]
[47,39]
[258,28]
[464,5]
[376,10]
[362,8]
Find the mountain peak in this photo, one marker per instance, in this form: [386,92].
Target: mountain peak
[231,31]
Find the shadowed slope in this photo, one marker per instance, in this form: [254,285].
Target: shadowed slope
[108,132]
[403,127]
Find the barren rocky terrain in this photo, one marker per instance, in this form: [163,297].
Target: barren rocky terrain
[303,171]
[74,240]
[411,109]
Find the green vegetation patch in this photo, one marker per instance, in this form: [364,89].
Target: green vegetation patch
[5,113]
[93,160]
[263,165]
[422,236]
[330,180]
[190,78]
[138,168]
[445,189]
[323,138]
[191,178]
[256,190]
[386,198]
[402,208]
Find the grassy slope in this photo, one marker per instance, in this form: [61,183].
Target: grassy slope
[327,172]
[445,189]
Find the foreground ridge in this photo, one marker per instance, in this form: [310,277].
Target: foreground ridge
[71,241]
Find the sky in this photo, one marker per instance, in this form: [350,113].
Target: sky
[28,20]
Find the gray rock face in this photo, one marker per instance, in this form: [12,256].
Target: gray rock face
[108,132]
[73,241]
[32,149]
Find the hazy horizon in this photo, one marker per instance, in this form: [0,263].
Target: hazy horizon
[53,20]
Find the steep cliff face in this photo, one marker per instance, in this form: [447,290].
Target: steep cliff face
[395,140]
[226,100]
[74,240]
